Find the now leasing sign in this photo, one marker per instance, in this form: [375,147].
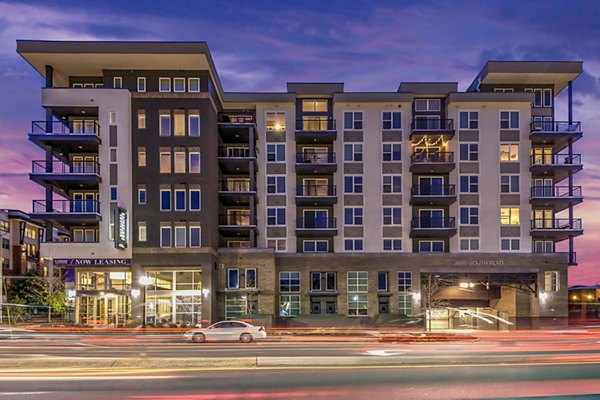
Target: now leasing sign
[91,261]
[120,228]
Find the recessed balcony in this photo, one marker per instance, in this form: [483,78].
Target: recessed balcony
[432,162]
[432,195]
[316,195]
[316,130]
[433,227]
[236,159]
[315,163]
[557,229]
[316,227]
[236,191]
[432,126]
[556,197]
[236,223]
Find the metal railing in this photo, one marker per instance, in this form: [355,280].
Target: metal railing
[240,185]
[71,127]
[66,206]
[316,223]
[315,124]
[555,126]
[433,157]
[432,124]
[557,223]
[316,190]
[234,151]
[556,191]
[58,167]
[556,159]
[433,223]
[315,158]
[236,219]
[433,190]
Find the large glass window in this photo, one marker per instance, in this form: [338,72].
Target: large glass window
[188,309]
[312,105]
[357,305]
[469,120]
[509,152]
[165,162]
[358,282]
[551,281]
[235,306]
[509,120]
[289,281]
[165,124]
[405,304]
[509,216]
[405,281]
[289,305]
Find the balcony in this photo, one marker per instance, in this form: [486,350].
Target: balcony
[237,128]
[67,212]
[557,197]
[236,159]
[67,136]
[84,175]
[316,227]
[423,195]
[434,227]
[236,224]
[316,195]
[315,163]
[236,191]
[315,130]
[557,165]
[432,126]
[555,133]
[432,162]
[557,228]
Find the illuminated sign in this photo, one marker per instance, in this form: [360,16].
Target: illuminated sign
[91,261]
[120,228]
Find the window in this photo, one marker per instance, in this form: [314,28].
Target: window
[509,184]
[179,157]
[353,120]
[179,123]
[391,120]
[179,201]
[543,246]
[194,167]
[276,152]
[141,84]
[180,236]
[509,216]
[317,279]
[275,121]
[141,157]
[357,305]
[469,244]
[427,105]
[142,233]
[547,97]
[551,281]
[113,193]
[392,152]
[277,244]
[510,244]
[165,163]
[405,304]
[392,244]
[405,281]
[382,281]
[392,216]
[314,105]
[118,82]
[469,215]
[353,152]
[469,183]
[113,157]
[165,125]
[275,215]
[195,240]
[509,120]
[194,85]
[353,244]
[353,184]
[469,119]
[179,85]
[289,282]
[195,200]
[233,278]
[112,118]
[275,184]
[165,236]
[469,152]
[4,226]
[504,90]
[431,246]
[289,305]
[194,124]
[164,84]
[315,246]
[250,278]
[141,117]
[392,184]
[353,215]
[358,282]
[509,152]
[165,199]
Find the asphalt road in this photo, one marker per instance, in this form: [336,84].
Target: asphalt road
[557,381]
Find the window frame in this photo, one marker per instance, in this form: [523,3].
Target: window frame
[160,82]
[509,120]
[509,149]
[391,120]
[356,217]
[391,220]
[471,155]
[471,123]
[275,153]
[175,85]
[176,197]
[145,196]
[511,241]
[192,228]
[162,200]
[274,188]
[354,244]
[354,184]
[510,216]
[165,228]
[141,83]
[469,241]
[469,182]
[472,218]
[355,150]
[510,183]
[190,169]
[191,192]
[356,124]
[189,82]
[391,154]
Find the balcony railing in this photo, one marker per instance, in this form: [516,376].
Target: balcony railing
[556,191]
[557,223]
[432,157]
[433,223]
[58,167]
[316,190]
[432,124]
[66,206]
[316,223]
[236,186]
[315,158]
[556,159]
[73,127]
[234,152]
[556,126]
[315,124]
[237,220]
[433,190]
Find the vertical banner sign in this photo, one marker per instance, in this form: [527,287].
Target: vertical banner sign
[120,228]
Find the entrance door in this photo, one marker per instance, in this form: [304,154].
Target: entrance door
[431,185]
[431,218]
[315,218]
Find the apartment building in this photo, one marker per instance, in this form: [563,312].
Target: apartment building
[182,203]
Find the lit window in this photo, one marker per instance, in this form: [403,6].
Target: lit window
[141,157]
[180,236]
[314,105]
[142,231]
[141,114]
[179,158]
[275,121]
[509,216]
[551,281]
[509,152]
[179,123]
[165,163]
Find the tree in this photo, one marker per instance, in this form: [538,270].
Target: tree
[35,290]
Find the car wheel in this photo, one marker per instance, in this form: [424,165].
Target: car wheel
[246,338]
[198,338]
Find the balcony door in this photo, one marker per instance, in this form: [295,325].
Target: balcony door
[428,122]
[543,187]
[431,185]
[238,217]
[314,123]
[543,219]
[431,218]
[542,155]
[315,155]
[315,218]
[315,187]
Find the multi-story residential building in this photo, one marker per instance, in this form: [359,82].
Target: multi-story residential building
[185,203]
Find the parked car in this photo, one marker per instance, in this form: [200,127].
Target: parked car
[227,331]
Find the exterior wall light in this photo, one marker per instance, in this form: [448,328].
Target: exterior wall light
[145,280]
[205,292]
[135,293]
[543,296]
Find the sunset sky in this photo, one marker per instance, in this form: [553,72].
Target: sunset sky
[370,46]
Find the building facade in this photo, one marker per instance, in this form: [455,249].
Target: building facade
[182,203]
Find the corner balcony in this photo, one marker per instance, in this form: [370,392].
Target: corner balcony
[315,163]
[236,191]
[316,227]
[556,197]
[67,212]
[432,126]
[424,195]
[311,130]
[557,228]
[557,165]
[237,128]
[236,159]
[433,227]
[83,175]
[67,136]
[432,162]
[555,133]
[316,195]
[236,224]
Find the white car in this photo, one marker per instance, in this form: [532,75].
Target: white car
[227,331]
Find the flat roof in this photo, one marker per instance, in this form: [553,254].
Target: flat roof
[428,88]
[315,88]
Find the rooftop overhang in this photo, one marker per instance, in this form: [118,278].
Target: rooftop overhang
[558,73]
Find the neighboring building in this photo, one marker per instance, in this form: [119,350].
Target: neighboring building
[313,203]
[584,304]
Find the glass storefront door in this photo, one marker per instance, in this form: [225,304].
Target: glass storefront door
[107,309]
